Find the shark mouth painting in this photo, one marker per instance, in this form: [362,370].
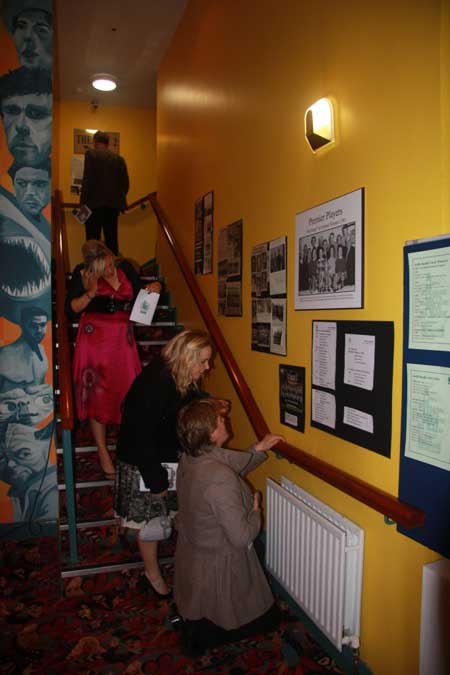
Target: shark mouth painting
[25,273]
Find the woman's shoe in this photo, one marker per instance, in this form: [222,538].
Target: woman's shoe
[148,586]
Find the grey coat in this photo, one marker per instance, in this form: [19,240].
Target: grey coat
[217,572]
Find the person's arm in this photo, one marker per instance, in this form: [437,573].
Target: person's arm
[87,178]
[239,522]
[82,289]
[125,180]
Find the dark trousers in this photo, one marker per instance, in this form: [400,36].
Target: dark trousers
[104,218]
[203,634]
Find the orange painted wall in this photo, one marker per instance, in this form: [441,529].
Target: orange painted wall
[232,94]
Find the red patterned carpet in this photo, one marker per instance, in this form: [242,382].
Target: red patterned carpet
[107,624]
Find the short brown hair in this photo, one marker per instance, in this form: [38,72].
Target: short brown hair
[196,423]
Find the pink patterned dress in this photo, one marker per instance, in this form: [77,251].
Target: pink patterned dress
[106,361]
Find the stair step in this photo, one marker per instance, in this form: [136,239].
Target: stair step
[87,484]
[84,524]
[87,448]
[103,547]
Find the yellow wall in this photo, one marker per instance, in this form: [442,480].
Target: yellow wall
[232,94]
[137,229]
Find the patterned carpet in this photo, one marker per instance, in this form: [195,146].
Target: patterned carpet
[107,624]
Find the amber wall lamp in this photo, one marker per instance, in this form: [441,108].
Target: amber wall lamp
[319,124]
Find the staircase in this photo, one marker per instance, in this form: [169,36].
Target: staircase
[102,549]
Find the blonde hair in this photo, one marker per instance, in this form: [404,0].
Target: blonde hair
[95,254]
[181,353]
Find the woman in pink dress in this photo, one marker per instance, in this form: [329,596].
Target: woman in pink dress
[106,362]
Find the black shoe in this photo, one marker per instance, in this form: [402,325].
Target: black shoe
[149,588]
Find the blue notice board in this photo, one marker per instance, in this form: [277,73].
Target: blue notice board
[425,434]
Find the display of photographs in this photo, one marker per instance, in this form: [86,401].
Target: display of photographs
[229,290]
[269,293]
[292,396]
[329,254]
[203,240]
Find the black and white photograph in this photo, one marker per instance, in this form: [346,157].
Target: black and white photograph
[329,254]
[292,396]
[203,229]
[229,270]
[268,286]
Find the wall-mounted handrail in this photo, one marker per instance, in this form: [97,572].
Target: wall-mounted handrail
[133,205]
[402,513]
[66,410]
[65,373]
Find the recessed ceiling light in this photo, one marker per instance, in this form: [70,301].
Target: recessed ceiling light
[104,82]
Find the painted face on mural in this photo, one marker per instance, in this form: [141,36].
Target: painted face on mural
[33,36]
[23,455]
[27,406]
[32,188]
[28,127]
[35,327]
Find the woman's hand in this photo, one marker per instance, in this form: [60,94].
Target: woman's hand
[268,442]
[89,282]
[224,407]
[153,287]
[257,497]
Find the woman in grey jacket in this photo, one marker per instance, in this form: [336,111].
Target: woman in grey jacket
[220,588]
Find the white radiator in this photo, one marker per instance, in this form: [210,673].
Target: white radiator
[317,556]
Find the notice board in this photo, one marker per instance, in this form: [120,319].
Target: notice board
[351,390]
[425,439]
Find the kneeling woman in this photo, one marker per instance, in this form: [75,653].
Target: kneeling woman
[220,588]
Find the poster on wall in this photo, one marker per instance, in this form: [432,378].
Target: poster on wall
[203,234]
[28,487]
[83,139]
[229,291]
[269,296]
[329,254]
[292,396]
[351,381]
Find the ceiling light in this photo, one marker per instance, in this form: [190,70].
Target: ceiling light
[104,82]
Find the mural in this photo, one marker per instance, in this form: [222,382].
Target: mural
[28,489]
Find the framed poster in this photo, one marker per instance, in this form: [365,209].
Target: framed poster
[203,239]
[329,254]
[229,275]
[269,296]
[292,397]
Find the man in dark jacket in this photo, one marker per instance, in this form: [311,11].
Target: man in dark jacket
[104,190]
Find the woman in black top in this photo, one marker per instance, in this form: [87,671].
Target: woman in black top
[148,436]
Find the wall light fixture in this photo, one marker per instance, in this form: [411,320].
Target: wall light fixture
[319,124]
[104,82]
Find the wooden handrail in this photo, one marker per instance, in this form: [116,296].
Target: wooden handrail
[138,202]
[65,373]
[402,513]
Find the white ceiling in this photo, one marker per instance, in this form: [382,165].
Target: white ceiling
[127,39]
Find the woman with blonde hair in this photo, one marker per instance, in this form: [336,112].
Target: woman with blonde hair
[102,290]
[148,438]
